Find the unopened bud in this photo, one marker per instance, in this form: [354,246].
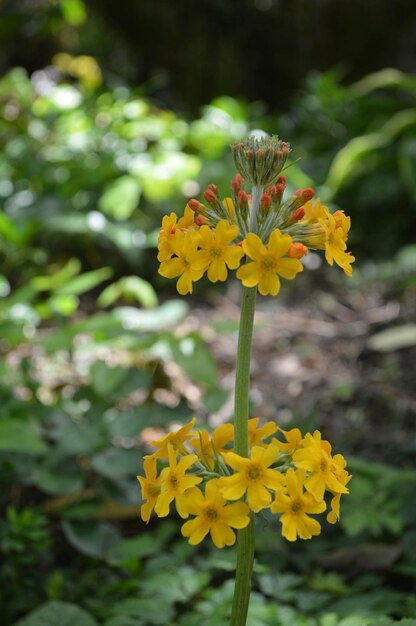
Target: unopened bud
[237,183]
[281,181]
[194,204]
[297,251]
[298,214]
[308,193]
[213,188]
[242,198]
[200,220]
[265,202]
[210,196]
[260,161]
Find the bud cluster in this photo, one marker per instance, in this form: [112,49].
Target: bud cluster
[213,236]
[260,161]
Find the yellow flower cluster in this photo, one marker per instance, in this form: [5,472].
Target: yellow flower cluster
[288,474]
[214,237]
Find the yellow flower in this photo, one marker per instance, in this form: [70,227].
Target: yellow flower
[314,211]
[268,264]
[255,435]
[150,485]
[319,462]
[295,505]
[229,206]
[335,246]
[344,478]
[253,476]
[175,483]
[342,221]
[207,447]
[293,438]
[168,231]
[214,516]
[216,253]
[177,439]
[184,246]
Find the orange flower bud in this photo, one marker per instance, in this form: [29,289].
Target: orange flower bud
[297,251]
[298,214]
[281,181]
[200,220]
[194,204]
[210,196]
[265,202]
[242,198]
[308,193]
[237,183]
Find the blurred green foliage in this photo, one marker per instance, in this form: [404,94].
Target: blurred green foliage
[87,377]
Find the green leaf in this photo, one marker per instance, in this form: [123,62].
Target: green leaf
[85,282]
[21,436]
[58,278]
[57,614]
[65,480]
[96,539]
[120,198]
[137,547]
[155,611]
[130,288]
[106,379]
[116,463]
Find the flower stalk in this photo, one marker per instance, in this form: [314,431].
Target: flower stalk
[223,478]
[245,536]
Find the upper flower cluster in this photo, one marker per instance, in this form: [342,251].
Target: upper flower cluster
[213,236]
[289,475]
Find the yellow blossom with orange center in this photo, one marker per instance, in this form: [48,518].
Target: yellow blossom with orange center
[214,516]
[295,506]
[216,253]
[252,476]
[268,263]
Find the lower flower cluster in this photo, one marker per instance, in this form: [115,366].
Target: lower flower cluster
[218,490]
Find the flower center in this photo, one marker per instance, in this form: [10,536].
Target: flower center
[296,506]
[211,513]
[173,481]
[269,263]
[254,472]
[216,252]
[323,466]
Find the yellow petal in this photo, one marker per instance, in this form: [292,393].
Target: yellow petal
[225,233]
[196,529]
[232,255]
[278,243]
[288,268]
[222,535]
[269,284]
[217,271]
[254,247]
[250,274]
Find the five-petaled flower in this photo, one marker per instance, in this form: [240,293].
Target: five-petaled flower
[295,507]
[253,476]
[268,263]
[215,516]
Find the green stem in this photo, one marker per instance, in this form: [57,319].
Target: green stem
[245,546]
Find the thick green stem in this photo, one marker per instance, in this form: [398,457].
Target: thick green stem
[245,547]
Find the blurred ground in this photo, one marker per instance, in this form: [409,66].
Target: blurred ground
[339,357]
